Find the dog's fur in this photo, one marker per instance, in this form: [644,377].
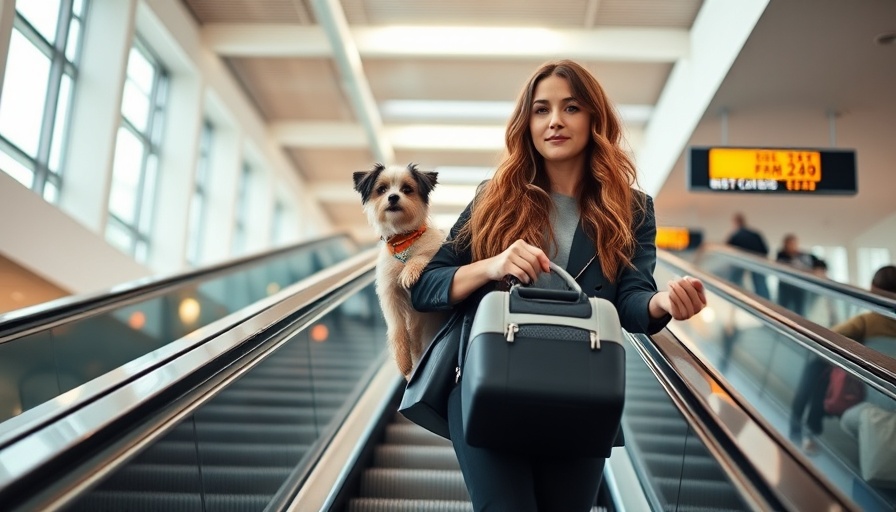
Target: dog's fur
[396,201]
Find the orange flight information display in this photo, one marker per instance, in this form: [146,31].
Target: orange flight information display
[677,239]
[772,170]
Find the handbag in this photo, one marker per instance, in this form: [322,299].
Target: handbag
[425,399]
[544,372]
[877,446]
[844,391]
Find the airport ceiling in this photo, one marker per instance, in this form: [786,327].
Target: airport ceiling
[344,84]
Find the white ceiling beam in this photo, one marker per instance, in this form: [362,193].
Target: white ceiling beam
[525,43]
[354,82]
[717,37]
[433,137]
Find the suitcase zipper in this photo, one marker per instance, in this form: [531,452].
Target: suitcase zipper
[595,341]
[510,331]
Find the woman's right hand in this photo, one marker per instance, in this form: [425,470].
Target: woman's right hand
[522,260]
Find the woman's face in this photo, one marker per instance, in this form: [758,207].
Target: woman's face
[560,128]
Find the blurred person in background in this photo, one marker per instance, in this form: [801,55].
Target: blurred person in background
[791,296]
[813,385]
[753,242]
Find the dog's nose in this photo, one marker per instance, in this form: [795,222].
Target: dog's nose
[393,198]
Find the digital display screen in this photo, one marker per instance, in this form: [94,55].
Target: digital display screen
[772,170]
[678,239]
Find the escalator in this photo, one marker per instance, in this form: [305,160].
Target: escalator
[822,300]
[258,413]
[49,349]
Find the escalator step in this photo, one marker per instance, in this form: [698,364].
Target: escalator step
[699,493]
[656,425]
[694,467]
[117,501]
[328,386]
[425,484]
[664,444]
[255,433]
[243,480]
[263,414]
[413,434]
[184,479]
[415,457]
[158,478]
[269,397]
[641,408]
[223,454]
[236,503]
[389,505]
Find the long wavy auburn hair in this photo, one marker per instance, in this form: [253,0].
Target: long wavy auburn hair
[516,203]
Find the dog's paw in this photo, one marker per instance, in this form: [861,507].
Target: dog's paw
[411,273]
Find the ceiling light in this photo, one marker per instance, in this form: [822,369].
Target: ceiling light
[496,111]
[462,41]
[416,110]
[434,137]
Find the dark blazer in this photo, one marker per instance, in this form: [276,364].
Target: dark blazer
[630,293]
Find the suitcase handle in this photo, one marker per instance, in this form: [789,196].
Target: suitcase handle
[571,281]
[511,280]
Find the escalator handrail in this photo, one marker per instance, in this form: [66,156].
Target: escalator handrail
[720,417]
[50,466]
[298,295]
[21,322]
[874,368]
[853,295]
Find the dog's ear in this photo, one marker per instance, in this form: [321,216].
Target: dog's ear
[364,181]
[426,181]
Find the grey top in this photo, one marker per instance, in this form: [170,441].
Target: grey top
[565,219]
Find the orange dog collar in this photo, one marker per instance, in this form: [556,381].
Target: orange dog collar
[400,245]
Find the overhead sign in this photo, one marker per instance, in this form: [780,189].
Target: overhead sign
[772,170]
[678,239]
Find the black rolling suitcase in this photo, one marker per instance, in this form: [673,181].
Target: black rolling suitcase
[544,372]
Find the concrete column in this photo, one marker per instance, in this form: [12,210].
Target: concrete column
[7,17]
[177,173]
[96,112]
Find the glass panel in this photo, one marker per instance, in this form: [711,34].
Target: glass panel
[74,39]
[24,93]
[14,168]
[141,71]
[51,192]
[677,471]
[793,293]
[126,175]
[27,374]
[250,437]
[147,203]
[43,15]
[786,383]
[59,127]
[141,251]
[78,7]
[119,236]
[135,105]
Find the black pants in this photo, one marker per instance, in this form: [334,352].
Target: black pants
[810,393]
[792,297]
[511,482]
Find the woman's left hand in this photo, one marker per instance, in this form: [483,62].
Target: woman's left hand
[684,299]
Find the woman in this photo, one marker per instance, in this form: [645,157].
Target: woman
[564,193]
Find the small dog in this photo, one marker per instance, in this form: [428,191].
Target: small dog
[396,201]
